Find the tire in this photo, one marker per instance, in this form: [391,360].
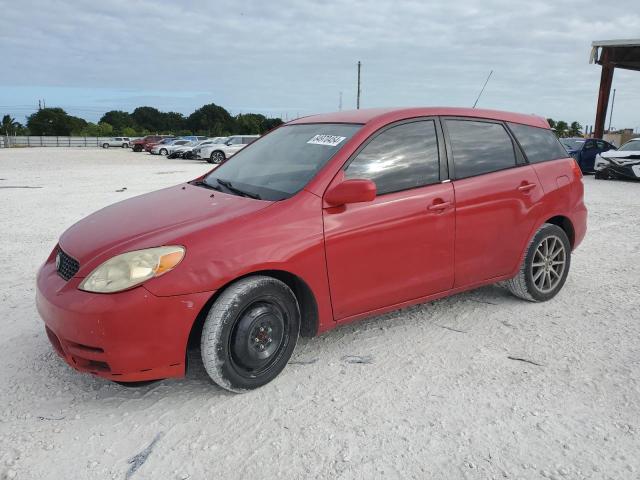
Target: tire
[217,156]
[163,151]
[125,145]
[105,145]
[540,277]
[250,333]
[137,148]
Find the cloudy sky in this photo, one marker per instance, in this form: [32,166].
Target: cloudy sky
[291,57]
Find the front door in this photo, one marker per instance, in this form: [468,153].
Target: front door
[398,247]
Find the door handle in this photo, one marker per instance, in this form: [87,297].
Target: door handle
[439,207]
[525,187]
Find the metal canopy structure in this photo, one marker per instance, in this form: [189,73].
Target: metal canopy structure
[611,54]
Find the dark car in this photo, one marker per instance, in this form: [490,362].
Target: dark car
[584,150]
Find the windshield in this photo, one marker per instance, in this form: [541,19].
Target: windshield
[283,162]
[630,146]
[572,143]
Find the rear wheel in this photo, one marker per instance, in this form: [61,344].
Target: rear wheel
[137,148]
[125,145]
[105,145]
[217,157]
[545,267]
[250,333]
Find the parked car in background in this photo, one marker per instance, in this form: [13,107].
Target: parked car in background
[623,163]
[168,146]
[584,150]
[285,239]
[122,142]
[140,144]
[220,152]
[164,141]
[186,151]
[195,151]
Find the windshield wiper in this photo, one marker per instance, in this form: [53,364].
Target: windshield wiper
[227,184]
[201,183]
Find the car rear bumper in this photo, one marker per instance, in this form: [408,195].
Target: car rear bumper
[127,336]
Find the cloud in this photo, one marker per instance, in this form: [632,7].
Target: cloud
[292,55]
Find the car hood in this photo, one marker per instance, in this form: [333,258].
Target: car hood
[631,154]
[158,218]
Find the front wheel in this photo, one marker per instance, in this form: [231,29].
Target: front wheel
[545,267]
[163,151]
[137,148]
[250,333]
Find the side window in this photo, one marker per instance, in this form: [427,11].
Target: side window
[401,157]
[236,140]
[589,144]
[601,145]
[539,144]
[479,147]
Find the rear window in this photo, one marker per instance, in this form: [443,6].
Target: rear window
[539,144]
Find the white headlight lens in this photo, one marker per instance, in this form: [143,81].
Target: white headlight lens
[132,268]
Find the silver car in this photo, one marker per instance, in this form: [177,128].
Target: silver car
[122,142]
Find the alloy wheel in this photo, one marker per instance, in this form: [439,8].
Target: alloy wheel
[549,263]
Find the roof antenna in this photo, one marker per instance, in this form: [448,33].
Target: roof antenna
[480,94]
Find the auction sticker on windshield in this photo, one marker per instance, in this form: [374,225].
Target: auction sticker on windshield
[329,140]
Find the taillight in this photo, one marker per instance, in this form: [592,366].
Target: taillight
[577,173]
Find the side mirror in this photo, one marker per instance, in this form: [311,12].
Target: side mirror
[351,191]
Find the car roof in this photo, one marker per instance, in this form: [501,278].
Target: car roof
[387,115]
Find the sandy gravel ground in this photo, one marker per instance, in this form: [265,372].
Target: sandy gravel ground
[426,392]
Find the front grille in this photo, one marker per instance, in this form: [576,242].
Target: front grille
[66,266]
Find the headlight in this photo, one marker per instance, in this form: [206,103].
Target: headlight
[132,268]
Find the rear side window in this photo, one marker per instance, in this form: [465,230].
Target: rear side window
[399,158]
[479,147]
[539,144]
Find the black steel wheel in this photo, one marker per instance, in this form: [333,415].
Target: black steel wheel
[250,333]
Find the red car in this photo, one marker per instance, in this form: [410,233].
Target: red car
[325,220]
[146,143]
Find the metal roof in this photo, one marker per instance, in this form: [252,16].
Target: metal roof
[623,53]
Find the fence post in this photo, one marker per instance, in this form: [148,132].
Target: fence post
[69,141]
[28,140]
[41,140]
[57,141]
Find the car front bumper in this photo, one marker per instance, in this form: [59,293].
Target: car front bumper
[127,336]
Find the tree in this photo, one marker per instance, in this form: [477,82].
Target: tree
[561,128]
[174,122]
[211,120]
[119,120]
[54,121]
[9,125]
[552,123]
[269,124]
[249,123]
[575,129]
[149,118]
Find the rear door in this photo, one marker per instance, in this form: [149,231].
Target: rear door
[497,196]
[398,247]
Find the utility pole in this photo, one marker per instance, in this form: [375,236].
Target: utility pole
[613,100]
[39,105]
[340,102]
[358,94]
